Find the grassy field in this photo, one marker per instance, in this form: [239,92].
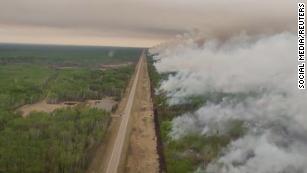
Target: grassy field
[63,140]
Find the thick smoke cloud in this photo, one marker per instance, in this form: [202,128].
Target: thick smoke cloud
[257,74]
[240,64]
[80,21]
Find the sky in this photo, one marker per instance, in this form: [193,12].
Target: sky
[137,23]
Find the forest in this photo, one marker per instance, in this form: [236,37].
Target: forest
[54,55]
[64,140]
[58,142]
[83,84]
[186,154]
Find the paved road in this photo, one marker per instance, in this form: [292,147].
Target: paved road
[117,150]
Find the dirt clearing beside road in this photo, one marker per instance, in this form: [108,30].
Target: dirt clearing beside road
[142,153]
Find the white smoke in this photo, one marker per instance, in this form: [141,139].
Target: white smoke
[260,154]
[239,64]
[276,140]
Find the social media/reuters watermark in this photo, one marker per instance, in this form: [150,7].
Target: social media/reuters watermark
[301,68]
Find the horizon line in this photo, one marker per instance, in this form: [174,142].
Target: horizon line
[72,45]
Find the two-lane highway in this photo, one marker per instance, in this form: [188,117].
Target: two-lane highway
[122,135]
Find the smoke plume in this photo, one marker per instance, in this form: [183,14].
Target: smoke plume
[257,76]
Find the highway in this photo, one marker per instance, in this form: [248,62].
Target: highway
[121,137]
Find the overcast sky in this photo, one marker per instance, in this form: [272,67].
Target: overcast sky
[138,22]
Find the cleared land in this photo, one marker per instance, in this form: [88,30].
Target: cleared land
[106,103]
[142,151]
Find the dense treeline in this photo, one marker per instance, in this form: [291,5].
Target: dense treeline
[62,141]
[188,153]
[82,84]
[59,142]
[21,85]
[26,84]
[89,56]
